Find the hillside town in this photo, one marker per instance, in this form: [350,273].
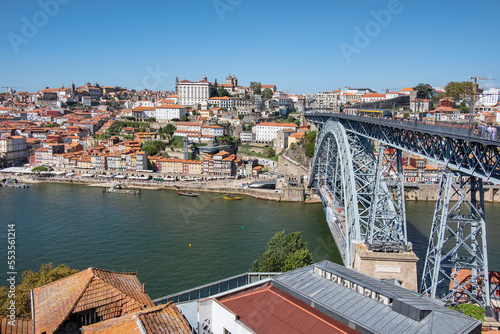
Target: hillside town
[204,130]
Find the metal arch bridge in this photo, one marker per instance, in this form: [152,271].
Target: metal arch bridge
[363,195]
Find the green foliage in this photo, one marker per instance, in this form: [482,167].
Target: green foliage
[463,107]
[117,127]
[168,129]
[47,274]
[241,117]
[185,118]
[406,115]
[130,118]
[267,93]
[310,139]
[283,253]
[247,151]
[52,125]
[39,169]
[221,91]
[153,147]
[471,310]
[177,142]
[151,119]
[423,90]
[246,97]
[269,151]
[459,90]
[255,87]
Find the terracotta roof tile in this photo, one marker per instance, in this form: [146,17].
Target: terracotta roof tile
[159,319]
[109,293]
[21,326]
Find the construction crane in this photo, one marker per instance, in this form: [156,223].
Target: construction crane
[8,90]
[476,85]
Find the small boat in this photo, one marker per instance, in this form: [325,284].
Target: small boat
[183,193]
[229,197]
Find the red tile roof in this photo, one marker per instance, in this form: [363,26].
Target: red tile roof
[160,319]
[110,293]
[270,310]
[21,326]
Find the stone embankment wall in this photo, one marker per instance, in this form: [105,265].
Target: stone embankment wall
[429,192]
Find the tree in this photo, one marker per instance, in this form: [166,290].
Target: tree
[311,142]
[168,129]
[267,93]
[185,118]
[47,274]
[423,90]
[463,107]
[270,152]
[246,97]
[255,87]
[221,91]
[153,147]
[241,116]
[471,310]
[151,119]
[283,253]
[459,90]
[39,169]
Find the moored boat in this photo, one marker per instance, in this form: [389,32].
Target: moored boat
[183,193]
[229,197]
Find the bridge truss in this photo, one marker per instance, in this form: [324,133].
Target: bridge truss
[457,251]
[360,183]
[363,198]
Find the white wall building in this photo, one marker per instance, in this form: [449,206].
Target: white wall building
[191,93]
[265,132]
[169,112]
[489,97]
[212,130]
[222,102]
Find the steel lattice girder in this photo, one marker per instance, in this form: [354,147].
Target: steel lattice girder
[331,174]
[472,156]
[458,241]
[347,175]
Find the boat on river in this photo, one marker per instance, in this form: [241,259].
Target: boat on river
[229,197]
[184,193]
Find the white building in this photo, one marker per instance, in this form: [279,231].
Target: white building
[392,95]
[247,137]
[265,132]
[212,130]
[143,103]
[489,97]
[191,93]
[169,112]
[222,102]
[373,97]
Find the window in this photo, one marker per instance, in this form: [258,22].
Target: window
[225,331]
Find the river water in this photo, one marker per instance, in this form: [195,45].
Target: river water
[173,242]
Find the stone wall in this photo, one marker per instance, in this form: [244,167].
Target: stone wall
[429,192]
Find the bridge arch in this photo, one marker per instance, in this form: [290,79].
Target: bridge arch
[359,204]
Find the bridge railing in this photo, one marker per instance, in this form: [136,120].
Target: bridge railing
[483,133]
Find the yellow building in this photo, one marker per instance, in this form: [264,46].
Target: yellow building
[143,137]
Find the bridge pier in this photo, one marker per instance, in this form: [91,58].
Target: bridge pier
[393,264]
[457,252]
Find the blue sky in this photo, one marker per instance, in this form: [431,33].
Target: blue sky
[300,46]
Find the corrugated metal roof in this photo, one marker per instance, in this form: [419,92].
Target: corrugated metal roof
[339,292]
